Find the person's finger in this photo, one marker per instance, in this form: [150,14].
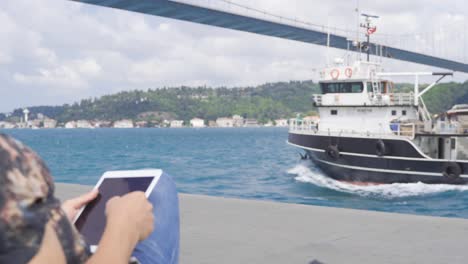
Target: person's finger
[84,199]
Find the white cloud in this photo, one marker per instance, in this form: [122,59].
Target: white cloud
[4,58]
[62,77]
[88,67]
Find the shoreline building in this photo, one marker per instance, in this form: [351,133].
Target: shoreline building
[212,123]
[70,125]
[83,124]
[7,125]
[281,122]
[197,123]
[176,123]
[49,123]
[141,124]
[224,122]
[26,115]
[251,123]
[237,121]
[124,123]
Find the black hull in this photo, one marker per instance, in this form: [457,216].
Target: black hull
[358,162]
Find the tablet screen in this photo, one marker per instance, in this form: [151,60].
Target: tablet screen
[92,220]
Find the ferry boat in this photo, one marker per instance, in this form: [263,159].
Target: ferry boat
[368,132]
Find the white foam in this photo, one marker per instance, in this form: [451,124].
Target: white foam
[316,177]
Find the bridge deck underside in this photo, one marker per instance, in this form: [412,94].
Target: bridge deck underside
[203,15]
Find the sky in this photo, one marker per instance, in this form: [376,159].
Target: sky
[57,51]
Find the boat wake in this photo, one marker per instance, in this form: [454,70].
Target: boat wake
[397,190]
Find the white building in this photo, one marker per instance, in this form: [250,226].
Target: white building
[102,123]
[224,122]
[83,124]
[251,123]
[197,122]
[26,115]
[141,124]
[281,122]
[50,123]
[6,125]
[124,123]
[70,124]
[177,123]
[237,121]
[212,123]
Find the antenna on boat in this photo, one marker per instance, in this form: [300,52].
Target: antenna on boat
[370,29]
[328,40]
[356,41]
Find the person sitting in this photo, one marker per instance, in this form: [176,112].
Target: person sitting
[36,228]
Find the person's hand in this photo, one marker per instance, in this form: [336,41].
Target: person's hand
[72,207]
[134,211]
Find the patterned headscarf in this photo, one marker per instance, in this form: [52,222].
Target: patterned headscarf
[27,204]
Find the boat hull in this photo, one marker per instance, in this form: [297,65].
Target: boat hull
[357,161]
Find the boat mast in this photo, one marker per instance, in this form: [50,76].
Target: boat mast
[369,31]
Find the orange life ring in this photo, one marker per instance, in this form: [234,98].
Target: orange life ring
[349,72]
[335,73]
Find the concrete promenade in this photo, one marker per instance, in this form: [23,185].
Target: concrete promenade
[218,230]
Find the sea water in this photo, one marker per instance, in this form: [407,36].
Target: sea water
[247,163]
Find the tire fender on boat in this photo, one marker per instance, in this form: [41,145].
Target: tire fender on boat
[452,170]
[333,152]
[380,148]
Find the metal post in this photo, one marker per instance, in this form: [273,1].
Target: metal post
[416,90]
[368,41]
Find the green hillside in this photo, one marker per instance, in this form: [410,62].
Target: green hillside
[264,102]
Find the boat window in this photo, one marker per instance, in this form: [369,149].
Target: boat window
[393,112]
[334,112]
[342,87]
[453,143]
[356,87]
[403,112]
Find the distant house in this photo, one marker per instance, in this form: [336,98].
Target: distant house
[197,122]
[176,123]
[224,122]
[237,121]
[251,123]
[141,124]
[6,125]
[49,123]
[102,123]
[281,122]
[212,123]
[70,124]
[83,124]
[125,123]
[36,123]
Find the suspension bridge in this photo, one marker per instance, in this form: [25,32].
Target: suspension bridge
[248,19]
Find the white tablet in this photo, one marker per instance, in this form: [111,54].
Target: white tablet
[91,220]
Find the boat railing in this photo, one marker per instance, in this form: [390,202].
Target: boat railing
[401,98]
[377,99]
[447,127]
[297,124]
[408,130]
